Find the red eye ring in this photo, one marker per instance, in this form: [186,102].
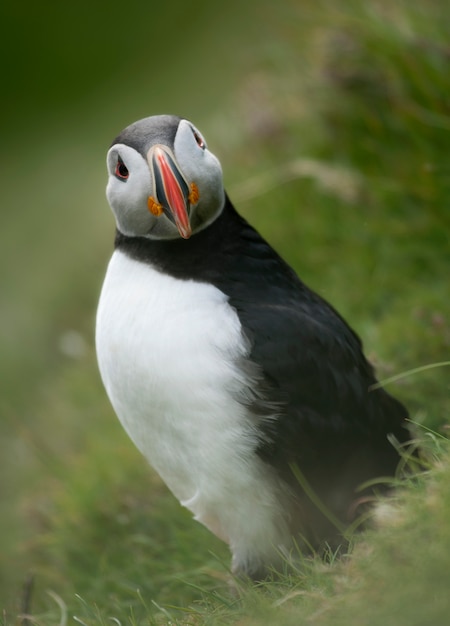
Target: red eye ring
[121,171]
[201,144]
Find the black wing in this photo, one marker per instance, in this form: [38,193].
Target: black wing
[315,374]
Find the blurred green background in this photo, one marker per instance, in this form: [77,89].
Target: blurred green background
[331,120]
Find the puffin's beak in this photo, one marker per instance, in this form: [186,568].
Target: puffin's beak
[171,189]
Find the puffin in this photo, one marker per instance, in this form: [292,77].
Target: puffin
[244,389]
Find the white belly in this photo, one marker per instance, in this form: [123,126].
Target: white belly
[168,353]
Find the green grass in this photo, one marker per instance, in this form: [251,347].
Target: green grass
[332,124]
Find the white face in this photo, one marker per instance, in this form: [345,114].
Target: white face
[147,199]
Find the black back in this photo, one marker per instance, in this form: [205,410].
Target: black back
[314,374]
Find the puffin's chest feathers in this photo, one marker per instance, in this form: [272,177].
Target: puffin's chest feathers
[169,353]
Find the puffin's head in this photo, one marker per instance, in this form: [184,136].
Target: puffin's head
[163,181]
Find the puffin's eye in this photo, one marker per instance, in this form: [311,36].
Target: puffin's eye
[121,172]
[201,144]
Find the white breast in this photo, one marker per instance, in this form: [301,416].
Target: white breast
[168,352]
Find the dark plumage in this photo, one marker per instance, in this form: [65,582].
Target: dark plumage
[331,423]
